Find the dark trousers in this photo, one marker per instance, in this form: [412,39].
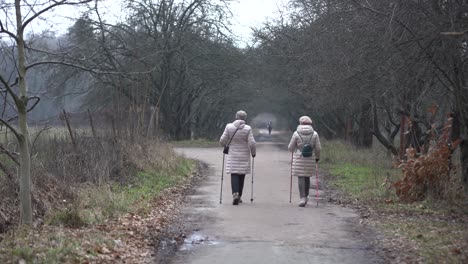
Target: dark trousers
[304,186]
[237,183]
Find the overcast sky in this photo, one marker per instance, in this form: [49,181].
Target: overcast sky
[253,13]
[247,14]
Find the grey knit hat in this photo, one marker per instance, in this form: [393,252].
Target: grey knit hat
[305,120]
[241,115]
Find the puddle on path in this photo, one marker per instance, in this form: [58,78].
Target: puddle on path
[196,239]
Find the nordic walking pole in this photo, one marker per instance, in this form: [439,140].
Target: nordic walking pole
[251,193]
[222,176]
[290,184]
[316,183]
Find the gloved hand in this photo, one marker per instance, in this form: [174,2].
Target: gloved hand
[316,160]
[253,155]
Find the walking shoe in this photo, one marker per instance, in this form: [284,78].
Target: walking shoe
[240,199]
[235,200]
[307,199]
[303,202]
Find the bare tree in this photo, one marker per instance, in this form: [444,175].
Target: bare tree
[174,57]
[18,16]
[371,67]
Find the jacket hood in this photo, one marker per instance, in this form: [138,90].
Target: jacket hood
[305,129]
[239,124]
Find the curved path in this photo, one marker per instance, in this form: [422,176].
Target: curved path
[269,230]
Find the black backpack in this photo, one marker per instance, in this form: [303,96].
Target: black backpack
[307,148]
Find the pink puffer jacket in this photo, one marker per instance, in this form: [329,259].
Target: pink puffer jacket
[242,147]
[301,166]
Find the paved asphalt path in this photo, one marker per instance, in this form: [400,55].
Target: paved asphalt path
[269,230]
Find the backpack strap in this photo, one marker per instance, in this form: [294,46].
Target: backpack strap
[232,137]
[310,139]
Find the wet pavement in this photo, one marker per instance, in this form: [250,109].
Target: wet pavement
[269,230]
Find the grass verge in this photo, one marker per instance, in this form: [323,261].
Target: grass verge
[362,175]
[197,143]
[82,231]
[428,231]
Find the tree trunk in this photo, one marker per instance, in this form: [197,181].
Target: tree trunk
[365,126]
[462,105]
[402,137]
[349,129]
[25,172]
[23,137]
[151,123]
[464,149]
[378,134]
[464,162]
[461,99]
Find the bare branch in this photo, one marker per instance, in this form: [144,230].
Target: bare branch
[410,30]
[45,128]
[62,53]
[9,33]
[454,33]
[9,154]
[55,4]
[29,110]
[35,103]
[9,89]
[7,171]
[7,124]
[87,69]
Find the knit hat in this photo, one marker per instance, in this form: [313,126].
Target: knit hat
[241,115]
[305,120]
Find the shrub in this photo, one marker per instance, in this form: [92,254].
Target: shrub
[429,171]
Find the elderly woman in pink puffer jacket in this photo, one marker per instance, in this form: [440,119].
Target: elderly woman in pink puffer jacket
[241,147]
[303,167]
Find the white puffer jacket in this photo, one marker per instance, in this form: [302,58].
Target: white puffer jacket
[304,167]
[241,148]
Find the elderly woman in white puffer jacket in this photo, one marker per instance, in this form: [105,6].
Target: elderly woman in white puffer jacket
[303,167]
[239,136]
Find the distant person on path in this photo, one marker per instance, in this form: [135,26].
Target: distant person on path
[303,167]
[241,147]
[270,127]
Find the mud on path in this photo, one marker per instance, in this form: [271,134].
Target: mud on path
[269,230]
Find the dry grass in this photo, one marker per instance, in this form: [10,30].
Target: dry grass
[363,174]
[61,169]
[431,231]
[78,188]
